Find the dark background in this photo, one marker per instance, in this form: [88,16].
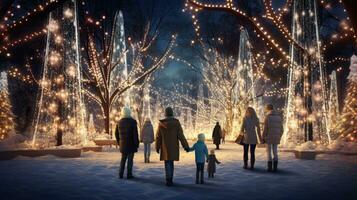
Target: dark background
[172,21]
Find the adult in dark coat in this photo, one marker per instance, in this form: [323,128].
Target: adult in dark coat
[217,135]
[127,137]
[168,136]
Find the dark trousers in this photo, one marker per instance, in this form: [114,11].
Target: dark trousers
[199,172]
[210,174]
[124,157]
[252,152]
[169,169]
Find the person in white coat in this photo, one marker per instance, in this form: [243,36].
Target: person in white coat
[147,137]
[272,132]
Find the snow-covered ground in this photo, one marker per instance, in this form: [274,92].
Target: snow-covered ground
[94,176]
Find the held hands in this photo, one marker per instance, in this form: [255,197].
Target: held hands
[158,151]
[187,150]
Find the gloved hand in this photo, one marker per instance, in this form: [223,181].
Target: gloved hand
[158,151]
[187,149]
[207,160]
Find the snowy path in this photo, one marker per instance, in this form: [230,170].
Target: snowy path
[94,176]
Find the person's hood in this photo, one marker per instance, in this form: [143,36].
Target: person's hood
[200,142]
[273,112]
[164,123]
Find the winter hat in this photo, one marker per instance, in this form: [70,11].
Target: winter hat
[212,151]
[126,112]
[169,112]
[201,137]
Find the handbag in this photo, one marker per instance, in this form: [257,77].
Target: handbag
[240,139]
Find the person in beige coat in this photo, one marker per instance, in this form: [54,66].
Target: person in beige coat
[147,137]
[250,129]
[168,136]
[272,132]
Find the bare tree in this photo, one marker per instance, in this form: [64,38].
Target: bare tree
[101,66]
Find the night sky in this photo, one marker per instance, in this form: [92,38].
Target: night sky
[172,21]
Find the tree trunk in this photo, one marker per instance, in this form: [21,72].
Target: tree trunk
[106,110]
[229,119]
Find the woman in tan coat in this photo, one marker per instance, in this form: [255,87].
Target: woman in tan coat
[168,136]
[250,128]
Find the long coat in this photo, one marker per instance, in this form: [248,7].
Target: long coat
[249,128]
[273,128]
[212,160]
[217,134]
[147,133]
[168,136]
[126,134]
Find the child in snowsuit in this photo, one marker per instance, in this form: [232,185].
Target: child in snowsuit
[201,154]
[212,160]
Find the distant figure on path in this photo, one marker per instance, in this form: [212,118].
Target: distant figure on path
[168,136]
[201,155]
[250,128]
[272,132]
[212,160]
[126,134]
[217,135]
[147,137]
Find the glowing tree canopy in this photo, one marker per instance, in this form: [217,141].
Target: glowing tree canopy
[6,116]
[92,131]
[306,110]
[202,123]
[244,88]
[333,106]
[119,59]
[147,102]
[347,125]
[109,79]
[189,122]
[60,109]
[157,112]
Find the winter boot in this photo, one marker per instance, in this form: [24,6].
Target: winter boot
[121,175]
[148,159]
[168,182]
[275,167]
[130,176]
[245,166]
[252,164]
[270,165]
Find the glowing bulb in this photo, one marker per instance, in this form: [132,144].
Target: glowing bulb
[68,13]
[52,26]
